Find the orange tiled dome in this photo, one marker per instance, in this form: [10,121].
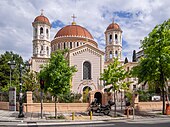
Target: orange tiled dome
[42,19]
[73,30]
[113,26]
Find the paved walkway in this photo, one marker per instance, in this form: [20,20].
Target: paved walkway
[12,116]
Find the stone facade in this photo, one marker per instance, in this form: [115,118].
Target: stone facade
[41,43]
[95,57]
[113,38]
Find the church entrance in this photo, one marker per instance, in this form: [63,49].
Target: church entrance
[98,96]
[86,91]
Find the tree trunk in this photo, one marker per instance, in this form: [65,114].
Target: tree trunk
[163,97]
[55,107]
[115,102]
[121,99]
[162,83]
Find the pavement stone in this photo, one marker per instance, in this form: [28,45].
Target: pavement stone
[12,116]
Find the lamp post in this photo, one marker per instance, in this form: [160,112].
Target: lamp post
[12,91]
[12,66]
[21,114]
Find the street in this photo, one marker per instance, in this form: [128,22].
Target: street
[110,123]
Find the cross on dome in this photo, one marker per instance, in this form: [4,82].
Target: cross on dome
[113,20]
[73,16]
[42,11]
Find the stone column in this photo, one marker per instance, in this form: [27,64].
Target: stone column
[29,97]
[28,107]
[135,100]
[104,98]
[91,97]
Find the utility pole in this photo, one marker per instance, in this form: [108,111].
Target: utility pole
[42,87]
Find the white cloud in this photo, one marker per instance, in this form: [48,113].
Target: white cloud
[17,17]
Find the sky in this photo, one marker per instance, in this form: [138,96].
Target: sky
[136,18]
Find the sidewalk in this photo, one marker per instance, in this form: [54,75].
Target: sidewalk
[12,116]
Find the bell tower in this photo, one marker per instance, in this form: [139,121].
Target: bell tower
[113,37]
[41,42]
[41,36]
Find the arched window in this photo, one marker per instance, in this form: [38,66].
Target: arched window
[35,29]
[41,47]
[116,38]
[37,50]
[86,70]
[77,44]
[110,38]
[64,45]
[41,51]
[47,31]
[110,55]
[47,51]
[70,45]
[74,45]
[116,53]
[41,30]
[58,45]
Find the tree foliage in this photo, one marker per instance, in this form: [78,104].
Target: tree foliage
[69,98]
[154,68]
[114,75]
[134,56]
[5,70]
[30,81]
[126,60]
[57,74]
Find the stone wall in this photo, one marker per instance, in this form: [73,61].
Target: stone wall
[149,106]
[76,107]
[61,107]
[4,105]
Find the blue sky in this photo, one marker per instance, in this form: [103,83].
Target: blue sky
[136,19]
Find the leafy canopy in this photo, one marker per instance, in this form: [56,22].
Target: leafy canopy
[57,73]
[155,66]
[5,70]
[114,74]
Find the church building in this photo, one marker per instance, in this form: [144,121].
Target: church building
[84,53]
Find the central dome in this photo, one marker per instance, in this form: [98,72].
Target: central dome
[74,31]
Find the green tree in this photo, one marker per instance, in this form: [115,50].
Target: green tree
[5,70]
[114,75]
[154,68]
[30,81]
[86,91]
[126,60]
[57,75]
[134,56]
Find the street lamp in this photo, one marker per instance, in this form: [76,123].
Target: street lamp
[12,66]
[12,91]
[21,114]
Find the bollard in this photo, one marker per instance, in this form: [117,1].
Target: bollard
[133,113]
[73,115]
[90,115]
[128,112]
